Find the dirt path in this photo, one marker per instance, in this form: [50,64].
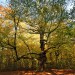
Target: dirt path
[52,72]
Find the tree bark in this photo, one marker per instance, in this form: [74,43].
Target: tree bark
[42,55]
[42,44]
[15,39]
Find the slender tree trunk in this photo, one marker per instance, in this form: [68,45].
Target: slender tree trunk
[15,39]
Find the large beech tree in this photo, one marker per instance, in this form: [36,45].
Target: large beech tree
[45,18]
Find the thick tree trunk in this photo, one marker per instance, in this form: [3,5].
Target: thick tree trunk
[42,55]
[42,44]
[42,60]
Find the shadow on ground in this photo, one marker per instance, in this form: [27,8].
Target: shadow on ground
[49,72]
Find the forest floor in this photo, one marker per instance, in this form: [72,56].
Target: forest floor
[51,72]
